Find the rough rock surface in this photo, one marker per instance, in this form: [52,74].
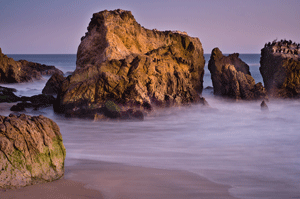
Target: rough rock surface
[231,77]
[280,68]
[31,151]
[54,84]
[119,59]
[12,71]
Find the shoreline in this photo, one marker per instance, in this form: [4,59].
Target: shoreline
[97,179]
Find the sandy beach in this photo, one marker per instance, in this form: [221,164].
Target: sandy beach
[93,179]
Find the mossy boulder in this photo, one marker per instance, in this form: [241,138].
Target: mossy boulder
[136,67]
[31,151]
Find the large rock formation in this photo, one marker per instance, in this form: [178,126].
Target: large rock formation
[12,71]
[31,151]
[118,59]
[231,77]
[280,68]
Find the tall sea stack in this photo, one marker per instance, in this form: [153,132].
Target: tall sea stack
[120,60]
[231,77]
[280,68]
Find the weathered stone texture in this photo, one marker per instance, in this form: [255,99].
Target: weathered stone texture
[31,151]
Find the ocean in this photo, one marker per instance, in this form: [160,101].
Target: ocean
[234,143]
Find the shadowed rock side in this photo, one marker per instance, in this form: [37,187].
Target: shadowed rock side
[31,151]
[54,84]
[12,71]
[280,68]
[231,77]
[118,59]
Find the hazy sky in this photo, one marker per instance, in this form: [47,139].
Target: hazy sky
[56,26]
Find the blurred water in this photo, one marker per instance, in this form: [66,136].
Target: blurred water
[234,143]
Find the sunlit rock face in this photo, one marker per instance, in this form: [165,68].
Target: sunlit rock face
[120,60]
[231,77]
[31,151]
[280,68]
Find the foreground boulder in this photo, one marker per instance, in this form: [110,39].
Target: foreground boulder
[120,60]
[12,71]
[231,77]
[280,68]
[31,151]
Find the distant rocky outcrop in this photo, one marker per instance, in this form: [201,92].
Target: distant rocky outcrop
[118,59]
[231,77]
[31,151]
[12,71]
[280,68]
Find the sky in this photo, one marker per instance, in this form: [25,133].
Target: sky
[56,26]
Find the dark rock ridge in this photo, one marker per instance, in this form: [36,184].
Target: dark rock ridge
[231,77]
[12,71]
[7,95]
[54,84]
[120,60]
[35,101]
[31,151]
[280,68]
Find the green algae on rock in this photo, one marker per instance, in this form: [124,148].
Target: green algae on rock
[31,151]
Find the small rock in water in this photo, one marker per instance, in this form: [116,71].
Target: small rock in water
[264,106]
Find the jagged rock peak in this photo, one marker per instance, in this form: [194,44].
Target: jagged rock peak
[116,35]
[135,67]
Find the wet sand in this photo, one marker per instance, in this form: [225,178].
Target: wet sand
[93,179]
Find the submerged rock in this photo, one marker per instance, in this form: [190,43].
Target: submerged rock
[231,77]
[31,151]
[280,68]
[12,71]
[139,68]
[36,102]
[264,106]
